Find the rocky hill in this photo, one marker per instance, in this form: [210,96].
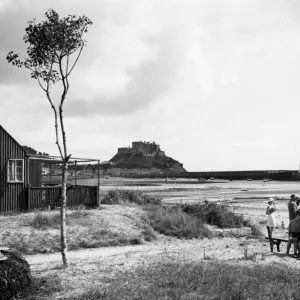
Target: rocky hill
[145,155]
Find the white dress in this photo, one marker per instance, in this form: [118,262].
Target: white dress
[271,217]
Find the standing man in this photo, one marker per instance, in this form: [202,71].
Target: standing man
[294,234]
[292,207]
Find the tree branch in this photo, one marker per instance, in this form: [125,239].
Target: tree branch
[67,66]
[63,97]
[76,60]
[56,124]
[41,85]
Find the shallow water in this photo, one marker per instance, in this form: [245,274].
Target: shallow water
[191,190]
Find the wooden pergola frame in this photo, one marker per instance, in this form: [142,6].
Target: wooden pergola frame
[74,160]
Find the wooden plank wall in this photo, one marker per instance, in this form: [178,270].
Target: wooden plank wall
[50,196]
[42,197]
[13,196]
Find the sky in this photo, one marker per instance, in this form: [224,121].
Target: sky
[215,83]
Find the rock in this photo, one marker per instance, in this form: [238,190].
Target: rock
[235,232]
[15,275]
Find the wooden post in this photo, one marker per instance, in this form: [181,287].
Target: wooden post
[28,173]
[98,186]
[50,173]
[28,183]
[28,196]
[75,172]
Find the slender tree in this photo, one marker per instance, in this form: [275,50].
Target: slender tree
[54,47]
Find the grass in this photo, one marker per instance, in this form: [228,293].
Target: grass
[208,280]
[188,220]
[182,221]
[174,222]
[121,196]
[214,214]
[44,221]
[44,287]
[221,216]
[39,232]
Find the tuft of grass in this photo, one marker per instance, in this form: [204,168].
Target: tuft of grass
[44,221]
[148,233]
[78,214]
[43,287]
[255,228]
[105,239]
[122,196]
[51,220]
[174,222]
[208,280]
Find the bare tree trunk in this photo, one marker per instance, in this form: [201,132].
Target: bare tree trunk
[63,227]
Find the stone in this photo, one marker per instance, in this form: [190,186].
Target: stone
[15,276]
[235,232]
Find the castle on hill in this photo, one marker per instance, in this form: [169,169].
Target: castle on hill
[147,148]
[144,158]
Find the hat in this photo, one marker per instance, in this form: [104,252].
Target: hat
[271,199]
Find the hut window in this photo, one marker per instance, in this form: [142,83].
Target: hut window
[15,170]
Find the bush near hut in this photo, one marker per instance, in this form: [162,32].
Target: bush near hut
[15,277]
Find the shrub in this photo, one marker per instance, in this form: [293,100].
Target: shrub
[148,233]
[174,222]
[120,196]
[255,228]
[214,214]
[221,216]
[15,277]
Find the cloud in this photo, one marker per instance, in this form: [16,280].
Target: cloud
[207,80]
[6,5]
[145,84]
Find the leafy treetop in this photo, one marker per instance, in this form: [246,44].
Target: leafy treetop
[50,42]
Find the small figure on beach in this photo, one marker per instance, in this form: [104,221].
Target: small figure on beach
[282,225]
[271,208]
[292,207]
[294,234]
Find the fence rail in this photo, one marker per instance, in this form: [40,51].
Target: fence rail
[51,196]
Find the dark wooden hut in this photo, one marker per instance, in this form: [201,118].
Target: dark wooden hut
[21,180]
[17,173]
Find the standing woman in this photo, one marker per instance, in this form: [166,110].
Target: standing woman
[271,208]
